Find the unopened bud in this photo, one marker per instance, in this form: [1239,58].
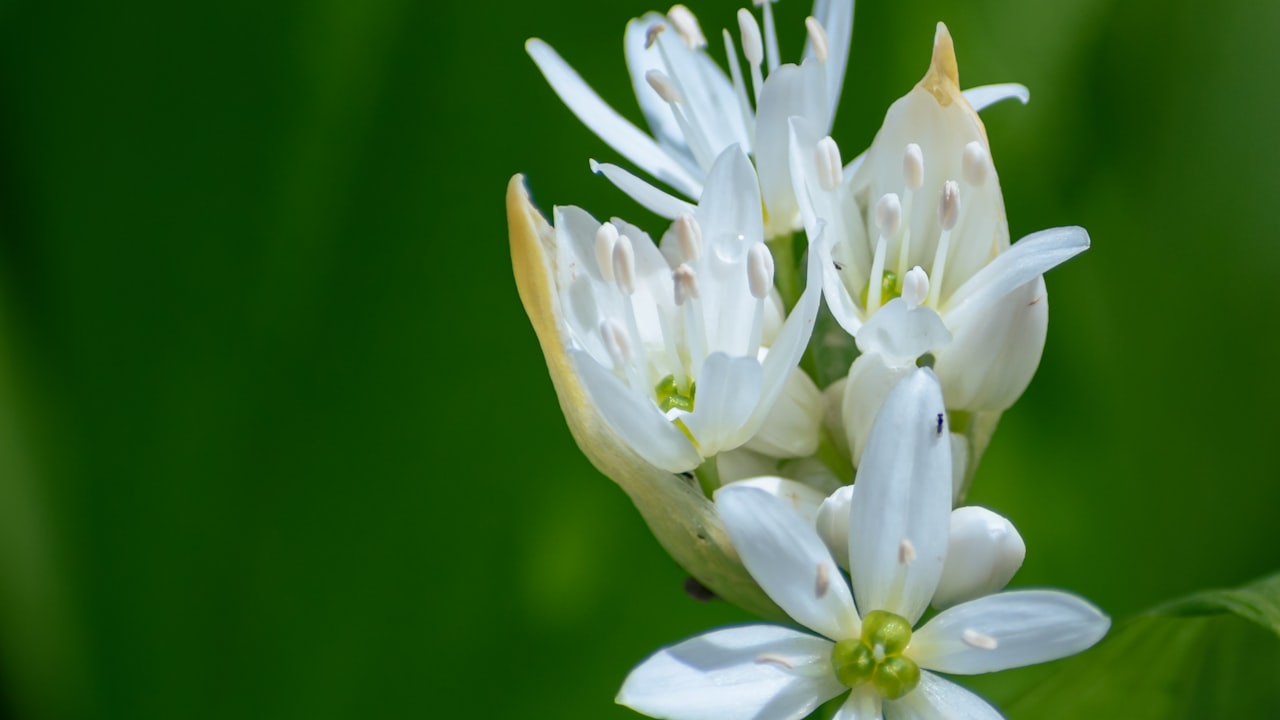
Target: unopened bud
[984,551]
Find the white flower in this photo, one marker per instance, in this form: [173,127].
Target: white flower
[676,347]
[897,545]
[695,110]
[917,258]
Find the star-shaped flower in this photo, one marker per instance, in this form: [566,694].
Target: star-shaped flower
[897,548]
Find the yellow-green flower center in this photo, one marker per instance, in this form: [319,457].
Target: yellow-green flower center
[669,395]
[877,656]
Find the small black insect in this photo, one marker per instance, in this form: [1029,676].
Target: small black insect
[939,423]
[839,265]
[688,476]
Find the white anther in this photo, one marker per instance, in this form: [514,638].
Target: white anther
[822,583]
[915,286]
[760,270]
[689,236]
[975,639]
[616,343]
[685,281]
[752,44]
[975,163]
[662,85]
[818,37]
[830,168]
[949,205]
[889,214]
[913,167]
[606,237]
[906,552]
[687,25]
[624,265]
[651,35]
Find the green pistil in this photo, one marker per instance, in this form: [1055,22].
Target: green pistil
[670,396]
[890,288]
[877,656]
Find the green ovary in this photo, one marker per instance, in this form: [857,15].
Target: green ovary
[670,396]
[877,656]
[890,288]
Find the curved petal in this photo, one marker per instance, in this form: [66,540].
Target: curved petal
[1033,255]
[784,554]
[1008,630]
[938,699]
[727,393]
[729,210]
[871,378]
[863,703]
[634,418]
[710,102]
[898,518]
[738,673]
[802,498]
[605,122]
[659,202]
[791,428]
[902,333]
[984,550]
[836,17]
[984,96]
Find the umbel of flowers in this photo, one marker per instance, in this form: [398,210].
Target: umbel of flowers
[686,368]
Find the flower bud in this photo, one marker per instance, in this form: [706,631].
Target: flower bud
[984,551]
[833,524]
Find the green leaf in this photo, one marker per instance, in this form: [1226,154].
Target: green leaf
[1201,656]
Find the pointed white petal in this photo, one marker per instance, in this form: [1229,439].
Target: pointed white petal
[792,427]
[862,704]
[730,204]
[899,516]
[605,122]
[738,673]
[938,699]
[1008,630]
[984,96]
[802,498]
[786,557]
[902,333]
[959,461]
[575,244]
[1033,255]
[996,349]
[870,379]
[634,418]
[836,17]
[657,201]
[984,550]
[728,389]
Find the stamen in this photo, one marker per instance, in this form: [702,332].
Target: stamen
[888,216]
[906,552]
[823,582]
[915,287]
[770,35]
[616,344]
[913,178]
[651,35]
[606,238]
[752,49]
[913,167]
[689,236]
[685,281]
[687,25]
[760,270]
[624,265]
[662,84]
[975,163]
[740,88]
[975,639]
[818,37]
[830,168]
[948,213]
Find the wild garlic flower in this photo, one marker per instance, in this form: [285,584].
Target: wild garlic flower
[917,259]
[695,110]
[866,644]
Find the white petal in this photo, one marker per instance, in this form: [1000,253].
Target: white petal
[959,461]
[634,418]
[792,427]
[899,516]
[1008,630]
[870,379]
[938,699]
[785,556]
[862,704]
[832,523]
[657,201]
[710,102]
[728,390]
[902,333]
[741,464]
[605,122]
[730,204]
[802,498]
[790,91]
[984,550]
[995,353]
[836,17]
[1033,255]
[737,673]
[984,96]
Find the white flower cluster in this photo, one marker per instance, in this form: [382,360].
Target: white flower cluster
[686,369]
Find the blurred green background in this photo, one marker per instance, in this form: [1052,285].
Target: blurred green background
[276,439]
